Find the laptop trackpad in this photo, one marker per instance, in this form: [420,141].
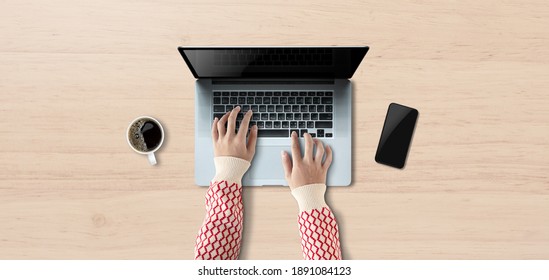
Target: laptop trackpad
[266,167]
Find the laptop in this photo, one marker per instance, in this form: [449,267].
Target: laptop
[302,89]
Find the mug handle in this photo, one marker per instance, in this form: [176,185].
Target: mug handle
[152,158]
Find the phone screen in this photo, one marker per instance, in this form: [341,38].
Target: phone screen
[396,135]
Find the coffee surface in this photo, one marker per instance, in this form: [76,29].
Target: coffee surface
[145,135]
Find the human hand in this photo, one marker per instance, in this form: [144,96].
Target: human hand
[309,169]
[228,143]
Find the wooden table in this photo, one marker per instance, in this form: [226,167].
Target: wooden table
[73,74]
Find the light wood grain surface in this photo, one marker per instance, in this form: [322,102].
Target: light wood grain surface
[74,73]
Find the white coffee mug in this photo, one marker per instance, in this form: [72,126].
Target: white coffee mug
[150,154]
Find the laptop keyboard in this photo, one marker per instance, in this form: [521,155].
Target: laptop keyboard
[279,113]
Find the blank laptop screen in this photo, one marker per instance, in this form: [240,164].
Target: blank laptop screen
[273,62]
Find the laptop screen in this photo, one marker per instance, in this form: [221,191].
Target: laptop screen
[273,62]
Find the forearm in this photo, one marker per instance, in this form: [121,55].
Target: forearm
[317,224]
[221,232]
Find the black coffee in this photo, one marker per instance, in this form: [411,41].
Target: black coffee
[145,135]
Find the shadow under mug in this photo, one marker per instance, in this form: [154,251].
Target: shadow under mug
[150,154]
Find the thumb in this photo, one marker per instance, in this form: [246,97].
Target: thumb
[252,140]
[286,164]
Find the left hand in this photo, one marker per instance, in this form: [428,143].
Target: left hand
[227,142]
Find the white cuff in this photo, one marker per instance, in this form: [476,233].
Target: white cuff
[310,197]
[230,168]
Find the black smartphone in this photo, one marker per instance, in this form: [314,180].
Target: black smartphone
[396,135]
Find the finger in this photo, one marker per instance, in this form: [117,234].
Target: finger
[328,160]
[221,124]
[309,144]
[296,150]
[319,151]
[252,140]
[244,124]
[231,125]
[286,164]
[215,134]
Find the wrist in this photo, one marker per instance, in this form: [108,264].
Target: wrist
[310,196]
[230,168]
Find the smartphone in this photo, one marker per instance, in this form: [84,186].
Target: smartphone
[396,135]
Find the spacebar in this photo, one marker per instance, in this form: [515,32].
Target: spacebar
[273,133]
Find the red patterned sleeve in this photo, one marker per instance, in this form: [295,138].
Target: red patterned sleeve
[220,234]
[317,224]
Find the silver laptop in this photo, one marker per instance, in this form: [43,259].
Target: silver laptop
[306,89]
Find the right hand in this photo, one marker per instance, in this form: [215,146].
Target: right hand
[307,169]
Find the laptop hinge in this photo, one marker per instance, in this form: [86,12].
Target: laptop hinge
[273,81]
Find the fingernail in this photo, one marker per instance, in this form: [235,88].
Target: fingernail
[237,107]
[255,127]
[215,119]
